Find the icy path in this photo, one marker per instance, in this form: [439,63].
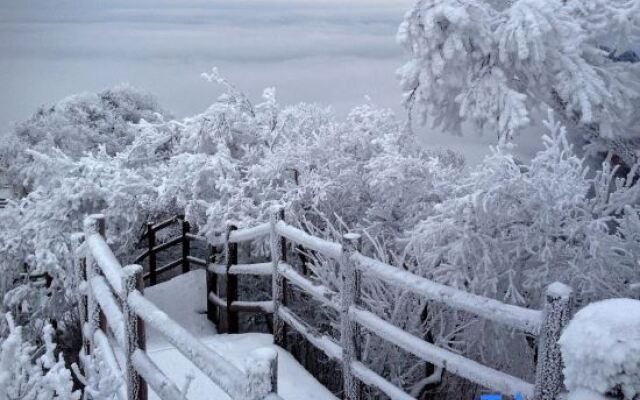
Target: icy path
[183,298]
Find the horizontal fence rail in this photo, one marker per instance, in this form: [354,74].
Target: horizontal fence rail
[183,240]
[243,269]
[115,312]
[513,316]
[454,363]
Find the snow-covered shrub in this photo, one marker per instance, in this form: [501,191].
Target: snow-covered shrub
[367,170]
[510,229]
[98,378]
[493,63]
[601,351]
[28,374]
[76,125]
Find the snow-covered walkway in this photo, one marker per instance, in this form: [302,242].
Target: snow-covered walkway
[183,298]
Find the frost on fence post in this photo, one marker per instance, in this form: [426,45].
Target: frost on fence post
[556,315]
[278,254]
[349,331]
[134,333]
[231,252]
[93,224]
[262,373]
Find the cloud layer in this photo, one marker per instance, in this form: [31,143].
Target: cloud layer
[328,51]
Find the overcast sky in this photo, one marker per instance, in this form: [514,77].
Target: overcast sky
[329,51]
[332,52]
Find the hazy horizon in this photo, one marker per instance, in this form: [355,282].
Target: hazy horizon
[338,54]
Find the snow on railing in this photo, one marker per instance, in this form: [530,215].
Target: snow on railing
[110,308]
[454,363]
[115,311]
[513,316]
[244,235]
[334,352]
[155,378]
[319,292]
[106,260]
[546,323]
[322,342]
[242,269]
[325,247]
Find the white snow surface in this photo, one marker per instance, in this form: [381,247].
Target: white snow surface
[601,350]
[183,299]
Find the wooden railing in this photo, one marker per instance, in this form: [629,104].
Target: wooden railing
[546,324]
[231,270]
[116,313]
[153,248]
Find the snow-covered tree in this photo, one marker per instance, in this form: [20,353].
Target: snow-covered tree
[494,63]
[75,125]
[510,229]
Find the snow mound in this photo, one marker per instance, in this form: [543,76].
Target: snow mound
[601,350]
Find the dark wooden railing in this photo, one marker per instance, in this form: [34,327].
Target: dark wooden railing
[183,240]
[230,306]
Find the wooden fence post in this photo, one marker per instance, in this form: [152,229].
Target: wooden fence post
[213,313]
[556,315]
[93,224]
[232,282]
[278,247]
[349,331]
[151,235]
[135,333]
[186,246]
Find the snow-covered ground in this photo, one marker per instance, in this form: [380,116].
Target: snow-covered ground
[183,298]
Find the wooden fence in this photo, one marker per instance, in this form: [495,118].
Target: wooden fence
[115,314]
[546,324]
[153,248]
